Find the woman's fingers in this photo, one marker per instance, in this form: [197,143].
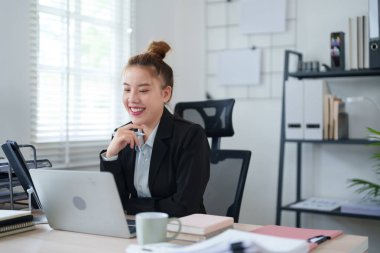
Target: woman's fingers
[122,137]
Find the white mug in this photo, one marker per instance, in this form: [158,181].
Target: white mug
[151,227]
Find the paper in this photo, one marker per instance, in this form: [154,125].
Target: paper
[258,16]
[246,241]
[321,204]
[239,67]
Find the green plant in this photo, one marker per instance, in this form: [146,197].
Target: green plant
[371,189]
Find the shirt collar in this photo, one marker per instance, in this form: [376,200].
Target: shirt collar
[152,136]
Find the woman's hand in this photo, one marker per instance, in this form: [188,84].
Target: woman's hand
[122,137]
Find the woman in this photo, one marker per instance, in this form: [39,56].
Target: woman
[160,162]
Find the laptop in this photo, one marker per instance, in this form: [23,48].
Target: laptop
[82,201]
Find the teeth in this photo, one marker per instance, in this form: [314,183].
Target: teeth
[136,109]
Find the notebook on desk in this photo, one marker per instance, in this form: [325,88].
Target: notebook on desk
[82,201]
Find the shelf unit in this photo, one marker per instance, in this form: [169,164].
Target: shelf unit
[299,143]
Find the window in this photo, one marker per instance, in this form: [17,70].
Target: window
[78,50]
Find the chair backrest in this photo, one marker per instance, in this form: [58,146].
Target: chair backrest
[215,116]
[17,162]
[228,173]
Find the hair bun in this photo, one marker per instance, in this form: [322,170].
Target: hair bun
[158,48]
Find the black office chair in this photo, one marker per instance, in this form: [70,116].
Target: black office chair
[228,173]
[229,168]
[215,116]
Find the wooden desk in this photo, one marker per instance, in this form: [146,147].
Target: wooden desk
[46,240]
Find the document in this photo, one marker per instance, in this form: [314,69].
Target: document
[229,241]
[322,204]
[313,236]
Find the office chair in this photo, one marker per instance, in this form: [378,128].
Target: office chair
[215,116]
[229,168]
[228,173]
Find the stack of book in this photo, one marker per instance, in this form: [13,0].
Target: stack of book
[15,221]
[358,46]
[198,227]
[335,118]
[313,113]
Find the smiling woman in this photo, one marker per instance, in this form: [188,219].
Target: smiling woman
[160,162]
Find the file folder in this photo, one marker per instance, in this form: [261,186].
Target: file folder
[294,109]
[374,33]
[314,91]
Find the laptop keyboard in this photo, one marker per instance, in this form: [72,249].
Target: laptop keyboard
[131,226]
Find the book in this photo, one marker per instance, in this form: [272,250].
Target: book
[298,233]
[17,230]
[353,43]
[15,226]
[201,224]
[361,207]
[7,215]
[360,37]
[15,221]
[326,115]
[340,120]
[342,128]
[11,217]
[195,237]
[331,100]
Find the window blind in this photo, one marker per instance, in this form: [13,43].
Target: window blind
[78,48]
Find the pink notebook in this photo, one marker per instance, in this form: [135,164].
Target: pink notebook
[202,224]
[298,233]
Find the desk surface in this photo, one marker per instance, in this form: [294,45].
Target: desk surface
[46,240]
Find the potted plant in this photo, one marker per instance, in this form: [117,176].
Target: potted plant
[370,189]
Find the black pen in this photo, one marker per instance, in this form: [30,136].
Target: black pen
[318,239]
[237,247]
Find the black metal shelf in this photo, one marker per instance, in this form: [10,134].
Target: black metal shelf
[337,74]
[310,75]
[343,142]
[335,212]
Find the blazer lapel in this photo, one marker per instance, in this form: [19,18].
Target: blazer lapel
[131,160]
[160,147]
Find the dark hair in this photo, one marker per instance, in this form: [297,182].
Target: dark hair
[153,57]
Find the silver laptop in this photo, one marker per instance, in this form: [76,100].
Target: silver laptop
[81,201]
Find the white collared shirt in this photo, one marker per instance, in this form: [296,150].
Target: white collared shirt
[142,164]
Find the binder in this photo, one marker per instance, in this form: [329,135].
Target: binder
[298,233]
[374,33]
[353,42]
[294,109]
[314,92]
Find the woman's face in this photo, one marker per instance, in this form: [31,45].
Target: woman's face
[143,96]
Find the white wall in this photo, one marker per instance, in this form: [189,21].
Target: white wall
[14,88]
[179,22]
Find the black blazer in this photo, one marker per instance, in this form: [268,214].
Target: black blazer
[178,174]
